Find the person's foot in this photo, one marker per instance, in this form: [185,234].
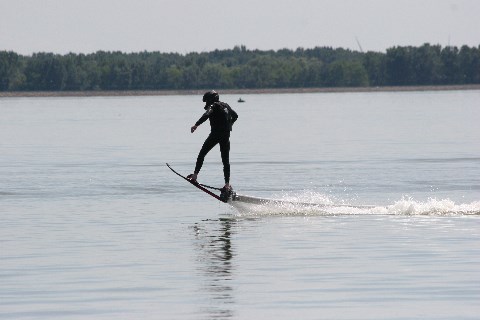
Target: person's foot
[192,177]
[226,192]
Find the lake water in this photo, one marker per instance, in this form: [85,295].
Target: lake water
[95,226]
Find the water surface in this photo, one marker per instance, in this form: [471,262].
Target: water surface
[94,225]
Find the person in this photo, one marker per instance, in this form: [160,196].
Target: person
[222,117]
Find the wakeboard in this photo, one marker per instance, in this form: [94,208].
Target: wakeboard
[199,186]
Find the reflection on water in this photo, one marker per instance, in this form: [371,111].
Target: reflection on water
[214,262]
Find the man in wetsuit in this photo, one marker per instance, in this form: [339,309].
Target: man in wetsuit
[221,117]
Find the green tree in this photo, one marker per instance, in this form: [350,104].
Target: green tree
[399,70]
[11,71]
[45,71]
[174,77]
[240,68]
[375,66]
[426,65]
[451,66]
[469,64]
[346,74]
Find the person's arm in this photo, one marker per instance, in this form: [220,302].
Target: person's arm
[234,116]
[202,119]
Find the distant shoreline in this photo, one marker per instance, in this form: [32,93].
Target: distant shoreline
[7,94]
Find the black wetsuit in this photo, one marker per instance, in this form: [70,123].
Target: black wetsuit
[221,117]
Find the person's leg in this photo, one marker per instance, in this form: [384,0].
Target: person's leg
[225,153]
[209,143]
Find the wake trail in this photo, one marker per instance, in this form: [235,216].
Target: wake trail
[318,204]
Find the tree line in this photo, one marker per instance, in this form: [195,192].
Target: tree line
[240,68]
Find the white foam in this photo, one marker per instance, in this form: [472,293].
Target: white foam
[408,206]
[310,203]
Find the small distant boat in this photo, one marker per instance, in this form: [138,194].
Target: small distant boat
[241,100]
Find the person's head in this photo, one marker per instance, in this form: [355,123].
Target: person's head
[210,97]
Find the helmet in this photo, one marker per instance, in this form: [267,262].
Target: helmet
[210,96]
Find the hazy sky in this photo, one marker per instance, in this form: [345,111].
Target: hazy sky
[63,26]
